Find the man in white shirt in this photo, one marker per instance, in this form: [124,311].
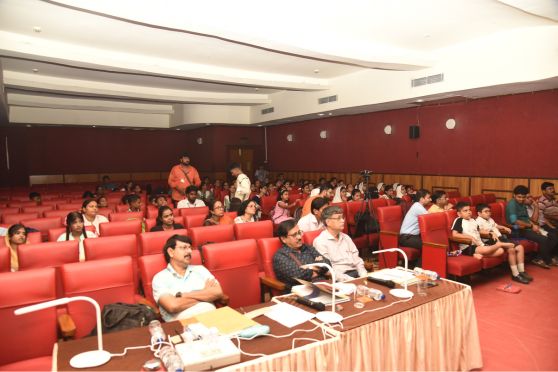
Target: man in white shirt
[313,221]
[182,290]
[242,182]
[191,200]
[409,234]
[338,247]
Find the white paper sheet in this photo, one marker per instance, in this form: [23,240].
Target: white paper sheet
[288,315]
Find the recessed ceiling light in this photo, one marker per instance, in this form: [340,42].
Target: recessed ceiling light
[28,125]
[259,125]
[330,114]
[316,71]
[94,126]
[256,88]
[321,114]
[419,100]
[35,70]
[207,124]
[426,36]
[37,29]
[177,128]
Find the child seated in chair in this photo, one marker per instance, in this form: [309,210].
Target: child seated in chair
[516,253]
[465,229]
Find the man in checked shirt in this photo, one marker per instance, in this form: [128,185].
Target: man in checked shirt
[293,254]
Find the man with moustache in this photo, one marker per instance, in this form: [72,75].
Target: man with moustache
[181,176]
[293,254]
[182,290]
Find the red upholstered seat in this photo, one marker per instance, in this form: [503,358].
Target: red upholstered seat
[454,194]
[8,210]
[391,202]
[476,199]
[309,236]
[106,281]
[120,228]
[267,248]
[195,220]
[58,213]
[268,202]
[123,208]
[43,225]
[253,230]
[152,264]
[4,259]
[153,242]
[12,219]
[50,254]
[30,337]
[70,206]
[211,234]
[126,216]
[463,265]
[489,198]
[22,204]
[374,204]
[390,219]
[192,211]
[38,209]
[235,265]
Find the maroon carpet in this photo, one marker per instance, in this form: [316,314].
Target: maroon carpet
[518,331]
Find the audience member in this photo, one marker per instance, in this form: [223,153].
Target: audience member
[35,197]
[136,189]
[400,191]
[16,236]
[228,197]
[216,215]
[338,247]
[517,215]
[191,200]
[183,290]
[205,193]
[246,212]
[161,201]
[99,191]
[107,185]
[261,193]
[356,195]
[75,230]
[516,252]
[242,182]
[381,188]
[89,209]
[181,176]
[326,191]
[389,192]
[102,202]
[313,221]
[134,203]
[281,211]
[439,202]
[409,234]
[548,208]
[165,220]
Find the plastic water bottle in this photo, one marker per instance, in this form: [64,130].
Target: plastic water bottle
[171,359]
[431,275]
[157,333]
[376,294]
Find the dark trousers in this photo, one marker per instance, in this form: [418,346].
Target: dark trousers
[553,238]
[546,244]
[412,241]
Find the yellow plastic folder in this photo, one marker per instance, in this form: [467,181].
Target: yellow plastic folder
[226,320]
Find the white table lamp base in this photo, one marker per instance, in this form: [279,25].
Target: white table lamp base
[401,293]
[329,317]
[90,359]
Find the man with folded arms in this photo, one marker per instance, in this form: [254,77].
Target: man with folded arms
[182,290]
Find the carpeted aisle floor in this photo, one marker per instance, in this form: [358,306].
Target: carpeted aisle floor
[518,331]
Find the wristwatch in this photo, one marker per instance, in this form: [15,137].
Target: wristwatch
[178,294]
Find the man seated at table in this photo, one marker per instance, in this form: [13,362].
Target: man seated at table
[338,247]
[293,254]
[313,221]
[182,290]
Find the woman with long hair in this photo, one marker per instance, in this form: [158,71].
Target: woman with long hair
[75,230]
[16,236]
[247,212]
[165,220]
[216,215]
[89,210]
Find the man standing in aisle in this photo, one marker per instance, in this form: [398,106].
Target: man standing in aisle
[181,176]
[242,182]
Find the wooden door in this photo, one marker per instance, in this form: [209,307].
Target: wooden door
[243,156]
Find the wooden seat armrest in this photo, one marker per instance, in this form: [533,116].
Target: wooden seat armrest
[435,245]
[461,240]
[386,232]
[272,283]
[67,326]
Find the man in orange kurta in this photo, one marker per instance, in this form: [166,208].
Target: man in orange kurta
[181,176]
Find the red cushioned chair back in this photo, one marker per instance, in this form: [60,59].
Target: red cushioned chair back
[152,211]
[253,230]
[152,264]
[30,335]
[235,265]
[120,228]
[476,199]
[489,198]
[34,237]
[374,204]
[54,234]
[497,211]
[44,224]
[50,254]
[193,211]
[8,210]
[22,204]
[106,281]
[451,215]
[12,219]
[434,228]
[123,208]
[153,242]
[113,246]
[125,216]
[195,220]
[268,202]
[454,194]
[231,215]
[267,248]
[70,206]
[38,209]
[354,207]
[391,202]
[4,258]
[211,234]
[390,218]
[309,236]
[62,214]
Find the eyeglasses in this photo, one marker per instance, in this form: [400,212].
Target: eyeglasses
[219,207]
[298,233]
[337,218]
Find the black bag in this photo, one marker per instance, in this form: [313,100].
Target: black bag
[365,224]
[120,316]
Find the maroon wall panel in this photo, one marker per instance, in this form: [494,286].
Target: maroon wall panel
[515,135]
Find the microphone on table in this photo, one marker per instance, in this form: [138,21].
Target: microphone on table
[314,305]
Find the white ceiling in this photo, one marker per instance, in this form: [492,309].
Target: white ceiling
[179,59]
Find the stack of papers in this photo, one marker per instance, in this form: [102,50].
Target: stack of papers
[396,275]
[289,315]
[228,321]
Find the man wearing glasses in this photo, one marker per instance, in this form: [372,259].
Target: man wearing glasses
[338,247]
[293,254]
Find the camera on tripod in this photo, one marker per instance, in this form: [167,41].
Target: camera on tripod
[366,173]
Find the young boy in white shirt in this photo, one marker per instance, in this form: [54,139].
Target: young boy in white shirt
[516,252]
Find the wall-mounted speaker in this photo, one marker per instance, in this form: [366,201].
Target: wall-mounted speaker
[414,131]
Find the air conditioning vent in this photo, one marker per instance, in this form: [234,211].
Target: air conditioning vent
[438,78]
[329,99]
[268,110]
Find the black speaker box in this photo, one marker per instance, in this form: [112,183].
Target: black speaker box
[414,131]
